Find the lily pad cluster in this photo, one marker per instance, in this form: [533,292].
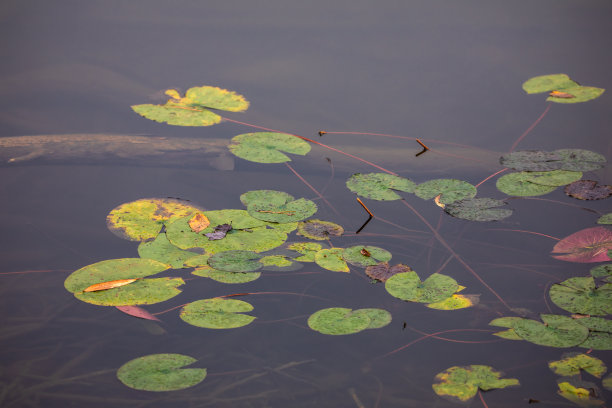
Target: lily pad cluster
[561,89]
[571,386]
[461,384]
[339,320]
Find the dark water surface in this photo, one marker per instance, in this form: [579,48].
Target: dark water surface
[437,70]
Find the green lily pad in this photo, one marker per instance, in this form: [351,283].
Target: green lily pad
[600,333]
[605,219]
[267,147]
[601,271]
[607,383]
[546,83]
[379,186]
[518,184]
[319,230]
[478,209]
[452,190]
[215,98]
[562,159]
[408,286]
[338,321]
[162,250]
[507,321]
[224,276]
[580,295]
[572,363]
[217,313]
[378,317]
[332,260]
[555,178]
[307,249]
[291,211]
[197,261]
[235,261]
[140,292]
[272,197]
[365,255]
[579,392]
[454,302]
[462,383]
[141,220]
[160,372]
[279,263]
[558,331]
[579,93]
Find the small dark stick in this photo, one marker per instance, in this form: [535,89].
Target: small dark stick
[321,133]
[369,218]
[425,148]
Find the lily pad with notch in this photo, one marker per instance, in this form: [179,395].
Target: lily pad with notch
[461,384]
[307,250]
[556,331]
[225,276]
[332,260]
[408,286]
[451,190]
[217,313]
[162,250]
[160,372]
[478,209]
[379,186]
[382,271]
[360,255]
[340,321]
[267,147]
[520,185]
[581,295]
[605,219]
[572,364]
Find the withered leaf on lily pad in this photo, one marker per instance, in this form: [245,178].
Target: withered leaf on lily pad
[588,190]
[319,230]
[587,245]
[382,271]
[108,285]
[220,232]
[198,222]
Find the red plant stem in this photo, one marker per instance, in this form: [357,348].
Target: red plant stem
[169,310]
[456,341]
[528,232]
[312,188]
[315,142]
[482,399]
[491,176]
[455,254]
[533,125]
[35,271]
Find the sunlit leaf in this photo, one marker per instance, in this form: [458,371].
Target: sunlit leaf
[319,230]
[378,317]
[578,93]
[307,249]
[408,286]
[224,276]
[163,251]
[235,261]
[462,383]
[588,190]
[160,372]
[382,271]
[217,313]
[109,285]
[556,331]
[572,363]
[215,98]
[379,186]
[143,219]
[562,159]
[279,263]
[137,312]
[455,302]
[605,219]
[373,255]
[198,222]
[332,260]
[267,147]
[587,245]
[579,392]
[580,295]
[519,184]
[140,292]
[546,83]
[478,209]
[338,321]
[451,190]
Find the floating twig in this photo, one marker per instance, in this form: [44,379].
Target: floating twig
[369,218]
[425,148]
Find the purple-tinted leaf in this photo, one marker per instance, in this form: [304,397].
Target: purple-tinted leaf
[587,245]
[137,312]
[382,271]
[588,190]
[220,232]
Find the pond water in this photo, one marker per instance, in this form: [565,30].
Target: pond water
[449,73]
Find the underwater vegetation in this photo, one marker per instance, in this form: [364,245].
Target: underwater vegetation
[275,231]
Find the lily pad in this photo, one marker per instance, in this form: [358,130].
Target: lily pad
[462,383]
[291,211]
[160,372]
[338,321]
[478,209]
[553,177]
[580,295]
[588,190]
[140,292]
[235,261]
[332,260]
[367,255]
[546,83]
[562,159]
[217,313]
[382,271]
[319,230]
[163,251]
[605,219]
[143,219]
[587,245]
[408,286]
[279,263]
[519,184]
[579,93]
[601,271]
[455,302]
[267,147]
[307,249]
[378,317]
[579,392]
[571,364]
[607,383]
[272,197]
[451,189]
[379,186]
[224,276]
[557,331]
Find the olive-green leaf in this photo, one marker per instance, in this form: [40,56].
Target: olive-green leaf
[478,209]
[518,184]
[462,383]
[163,251]
[546,83]
[455,302]
[408,286]
[605,219]
[553,177]
[215,98]
[579,93]
[365,255]
[307,249]
[272,197]
[562,159]
[140,292]
[607,383]
[379,186]
[378,317]
[332,260]
[451,189]
[217,313]
[557,331]
[579,392]
[580,295]
[338,321]
[177,115]
[160,372]
[319,230]
[601,271]
[235,261]
[267,147]
[572,363]
[292,211]
[224,276]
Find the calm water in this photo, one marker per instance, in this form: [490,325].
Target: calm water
[447,71]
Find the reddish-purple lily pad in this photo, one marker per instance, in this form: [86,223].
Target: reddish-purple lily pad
[587,245]
[588,190]
[381,272]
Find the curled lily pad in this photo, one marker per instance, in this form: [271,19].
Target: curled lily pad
[478,209]
[408,286]
[340,320]
[382,271]
[605,219]
[142,219]
[160,372]
[319,230]
[546,83]
[588,190]
[332,260]
[162,250]
[224,276]
[462,383]
[562,159]
[365,255]
[217,313]
[235,261]
[267,147]
[379,186]
[587,245]
[519,184]
[572,363]
[556,331]
[451,190]
[580,295]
